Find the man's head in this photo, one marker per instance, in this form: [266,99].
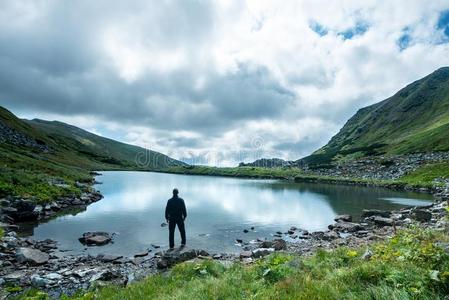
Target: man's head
[175,192]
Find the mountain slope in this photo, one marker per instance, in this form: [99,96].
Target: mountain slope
[102,149]
[415,119]
[33,154]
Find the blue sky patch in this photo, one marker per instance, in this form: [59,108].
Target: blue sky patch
[405,40]
[443,22]
[359,29]
[318,28]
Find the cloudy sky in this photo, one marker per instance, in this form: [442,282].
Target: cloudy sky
[214,82]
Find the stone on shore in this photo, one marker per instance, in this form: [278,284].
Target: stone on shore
[97,238]
[172,257]
[366,213]
[346,227]
[260,252]
[422,215]
[344,218]
[380,221]
[31,256]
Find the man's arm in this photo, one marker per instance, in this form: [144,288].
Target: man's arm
[166,212]
[184,210]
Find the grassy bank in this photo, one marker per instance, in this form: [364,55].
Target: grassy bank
[411,265]
[422,177]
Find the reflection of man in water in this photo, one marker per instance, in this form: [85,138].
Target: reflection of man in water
[175,214]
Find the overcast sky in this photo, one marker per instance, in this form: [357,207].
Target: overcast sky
[214,82]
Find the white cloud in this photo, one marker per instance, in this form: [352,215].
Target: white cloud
[198,78]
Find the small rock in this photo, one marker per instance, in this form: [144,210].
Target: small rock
[344,218]
[260,252]
[330,235]
[53,276]
[421,215]
[108,257]
[141,254]
[38,281]
[366,213]
[367,255]
[346,227]
[246,254]
[245,230]
[380,221]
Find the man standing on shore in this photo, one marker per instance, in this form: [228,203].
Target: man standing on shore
[175,214]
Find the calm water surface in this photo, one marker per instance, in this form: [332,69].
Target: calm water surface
[218,208]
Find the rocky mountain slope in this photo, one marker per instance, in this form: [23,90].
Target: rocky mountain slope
[414,120]
[71,145]
[45,160]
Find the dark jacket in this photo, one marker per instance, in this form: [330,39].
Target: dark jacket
[176,209]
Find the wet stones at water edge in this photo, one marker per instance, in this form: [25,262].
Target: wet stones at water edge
[97,238]
[172,257]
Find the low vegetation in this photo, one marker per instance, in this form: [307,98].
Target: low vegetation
[427,175]
[414,264]
[422,177]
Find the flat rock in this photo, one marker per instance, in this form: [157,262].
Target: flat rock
[344,218]
[366,213]
[171,257]
[381,221]
[97,238]
[31,256]
[260,252]
[108,257]
[141,254]
[346,227]
[246,254]
[330,235]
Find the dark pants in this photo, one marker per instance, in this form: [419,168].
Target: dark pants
[171,229]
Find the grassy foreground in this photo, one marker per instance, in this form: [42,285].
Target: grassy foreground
[411,265]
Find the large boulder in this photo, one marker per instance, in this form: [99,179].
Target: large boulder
[330,235]
[96,238]
[277,244]
[422,215]
[366,213]
[31,256]
[21,210]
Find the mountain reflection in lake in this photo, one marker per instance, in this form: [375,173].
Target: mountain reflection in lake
[219,209]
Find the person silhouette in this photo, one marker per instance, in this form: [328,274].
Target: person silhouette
[175,214]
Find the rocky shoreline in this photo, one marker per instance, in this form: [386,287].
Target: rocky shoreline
[26,263]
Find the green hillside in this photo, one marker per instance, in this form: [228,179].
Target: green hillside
[102,150]
[35,153]
[415,119]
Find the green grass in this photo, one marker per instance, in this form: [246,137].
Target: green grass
[425,176]
[410,265]
[2,233]
[245,172]
[422,177]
